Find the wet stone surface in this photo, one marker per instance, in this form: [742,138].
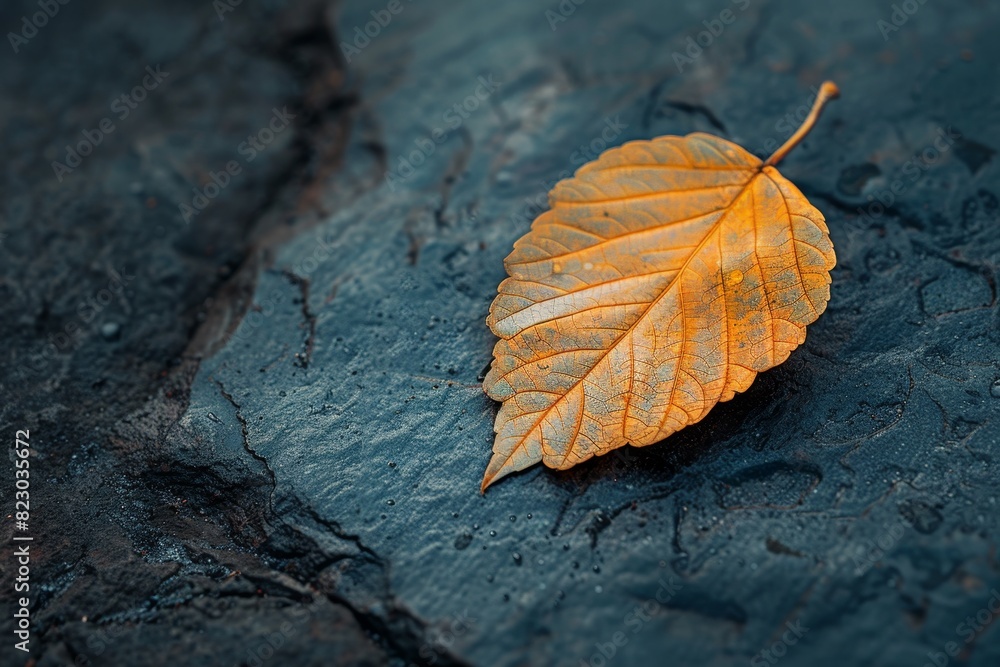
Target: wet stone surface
[274,440]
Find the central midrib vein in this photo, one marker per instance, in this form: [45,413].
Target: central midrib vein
[757,171]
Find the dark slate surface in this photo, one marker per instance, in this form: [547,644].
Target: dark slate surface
[279,446]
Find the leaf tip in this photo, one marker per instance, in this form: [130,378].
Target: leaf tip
[500,466]
[492,474]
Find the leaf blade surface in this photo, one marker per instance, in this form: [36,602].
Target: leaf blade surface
[664,277]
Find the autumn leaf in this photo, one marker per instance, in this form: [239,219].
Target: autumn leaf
[664,277]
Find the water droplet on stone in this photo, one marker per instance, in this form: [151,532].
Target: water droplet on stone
[493,533]
[110,330]
[517,558]
[995,388]
[390,502]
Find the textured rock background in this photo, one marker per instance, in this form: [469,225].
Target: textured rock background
[267,447]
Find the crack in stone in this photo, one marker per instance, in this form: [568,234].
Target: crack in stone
[405,641]
[246,444]
[303,359]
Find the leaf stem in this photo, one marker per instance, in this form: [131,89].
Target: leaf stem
[828,91]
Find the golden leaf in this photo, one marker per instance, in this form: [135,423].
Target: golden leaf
[664,277]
